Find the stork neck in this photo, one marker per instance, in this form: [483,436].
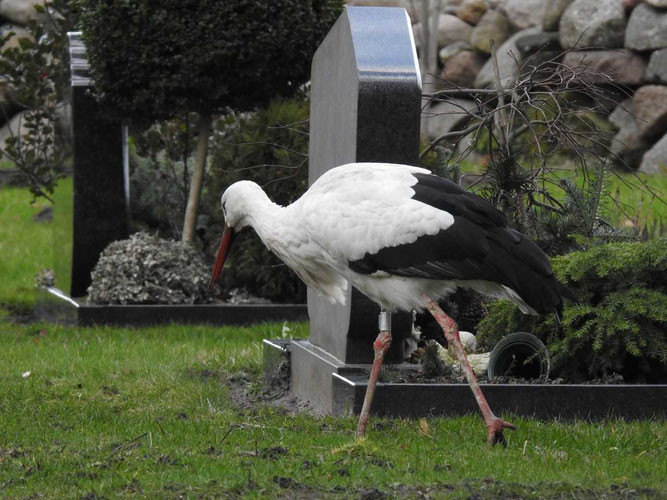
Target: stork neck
[262,214]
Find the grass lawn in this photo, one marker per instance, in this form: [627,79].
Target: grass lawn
[25,246]
[178,412]
[119,412]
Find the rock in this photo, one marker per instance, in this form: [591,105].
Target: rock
[553,11]
[656,71]
[20,11]
[624,67]
[462,68]
[509,62]
[8,104]
[451,29]
[649,105]
[446,116]
[593,23]
[628,146]
[471,11]
[523,14]
[530,44]
[642,123]
[647,28]
[15,126]
[661,4]
[19,33]
[654,160]
[492,26]
[451,50]
[622,116]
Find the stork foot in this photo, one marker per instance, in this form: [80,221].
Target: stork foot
[496,428]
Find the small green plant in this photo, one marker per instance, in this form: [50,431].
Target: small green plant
[617,326]
[147,270]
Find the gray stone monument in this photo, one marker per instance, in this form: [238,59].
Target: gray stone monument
[94,215]
[365,107]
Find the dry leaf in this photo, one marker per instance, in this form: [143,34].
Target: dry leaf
[423,426]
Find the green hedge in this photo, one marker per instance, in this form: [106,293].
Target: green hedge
[618,325]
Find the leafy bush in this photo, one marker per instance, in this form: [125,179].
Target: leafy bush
[269,147]
[153,59]
[147,270]
[619,324]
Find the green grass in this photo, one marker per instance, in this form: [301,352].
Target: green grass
[149,413]
[25,246]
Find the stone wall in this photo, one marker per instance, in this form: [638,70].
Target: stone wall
[629,39]
[626,39]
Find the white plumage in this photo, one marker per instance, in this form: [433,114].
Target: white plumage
[404,238]
[349,212]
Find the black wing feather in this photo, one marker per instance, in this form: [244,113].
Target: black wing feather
[479,245]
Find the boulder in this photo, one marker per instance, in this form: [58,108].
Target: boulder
[509,62]
[622,116]
[20,11]
[649,105]
[15,126]
[624,67]
[656,71]
[492,26]
[553,11]
[661,4]
[451,50]
[523,14]
[643,121]
[593,23]
[654,160]
[451,29]
[461,69]
[530,44]
[19,33]
[471,11]
[647,28]
[446,116]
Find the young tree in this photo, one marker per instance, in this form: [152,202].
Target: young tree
[156,59]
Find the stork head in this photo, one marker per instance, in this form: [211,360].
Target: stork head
[235,203]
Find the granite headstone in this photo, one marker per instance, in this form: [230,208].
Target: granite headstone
[94,214]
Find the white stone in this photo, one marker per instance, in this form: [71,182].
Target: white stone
[19,11]
[654,160]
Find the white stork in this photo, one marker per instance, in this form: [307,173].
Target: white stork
[404,238]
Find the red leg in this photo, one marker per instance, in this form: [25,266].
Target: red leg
[494,424]
[380,347]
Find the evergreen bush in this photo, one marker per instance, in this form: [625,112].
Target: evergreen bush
[269,147]
[619,324]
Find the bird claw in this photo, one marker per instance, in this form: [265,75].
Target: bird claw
[496,428]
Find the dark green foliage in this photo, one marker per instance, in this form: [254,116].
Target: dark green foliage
[619,324]
[36,75]
[432,364]
[147,270]
[158,174]
[153,59]
[268,147]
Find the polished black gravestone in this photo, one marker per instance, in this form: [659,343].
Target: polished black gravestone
[94,215]
[365,107]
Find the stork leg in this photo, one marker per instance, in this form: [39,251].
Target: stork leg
[380,348]
[494,424]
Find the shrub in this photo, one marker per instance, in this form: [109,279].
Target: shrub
[147,270]
[619,323]
[269,147]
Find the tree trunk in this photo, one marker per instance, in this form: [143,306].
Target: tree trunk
[197,180]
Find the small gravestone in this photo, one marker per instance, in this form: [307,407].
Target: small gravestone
[94,213]
[365,107]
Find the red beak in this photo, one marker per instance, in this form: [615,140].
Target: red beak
[225,244]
